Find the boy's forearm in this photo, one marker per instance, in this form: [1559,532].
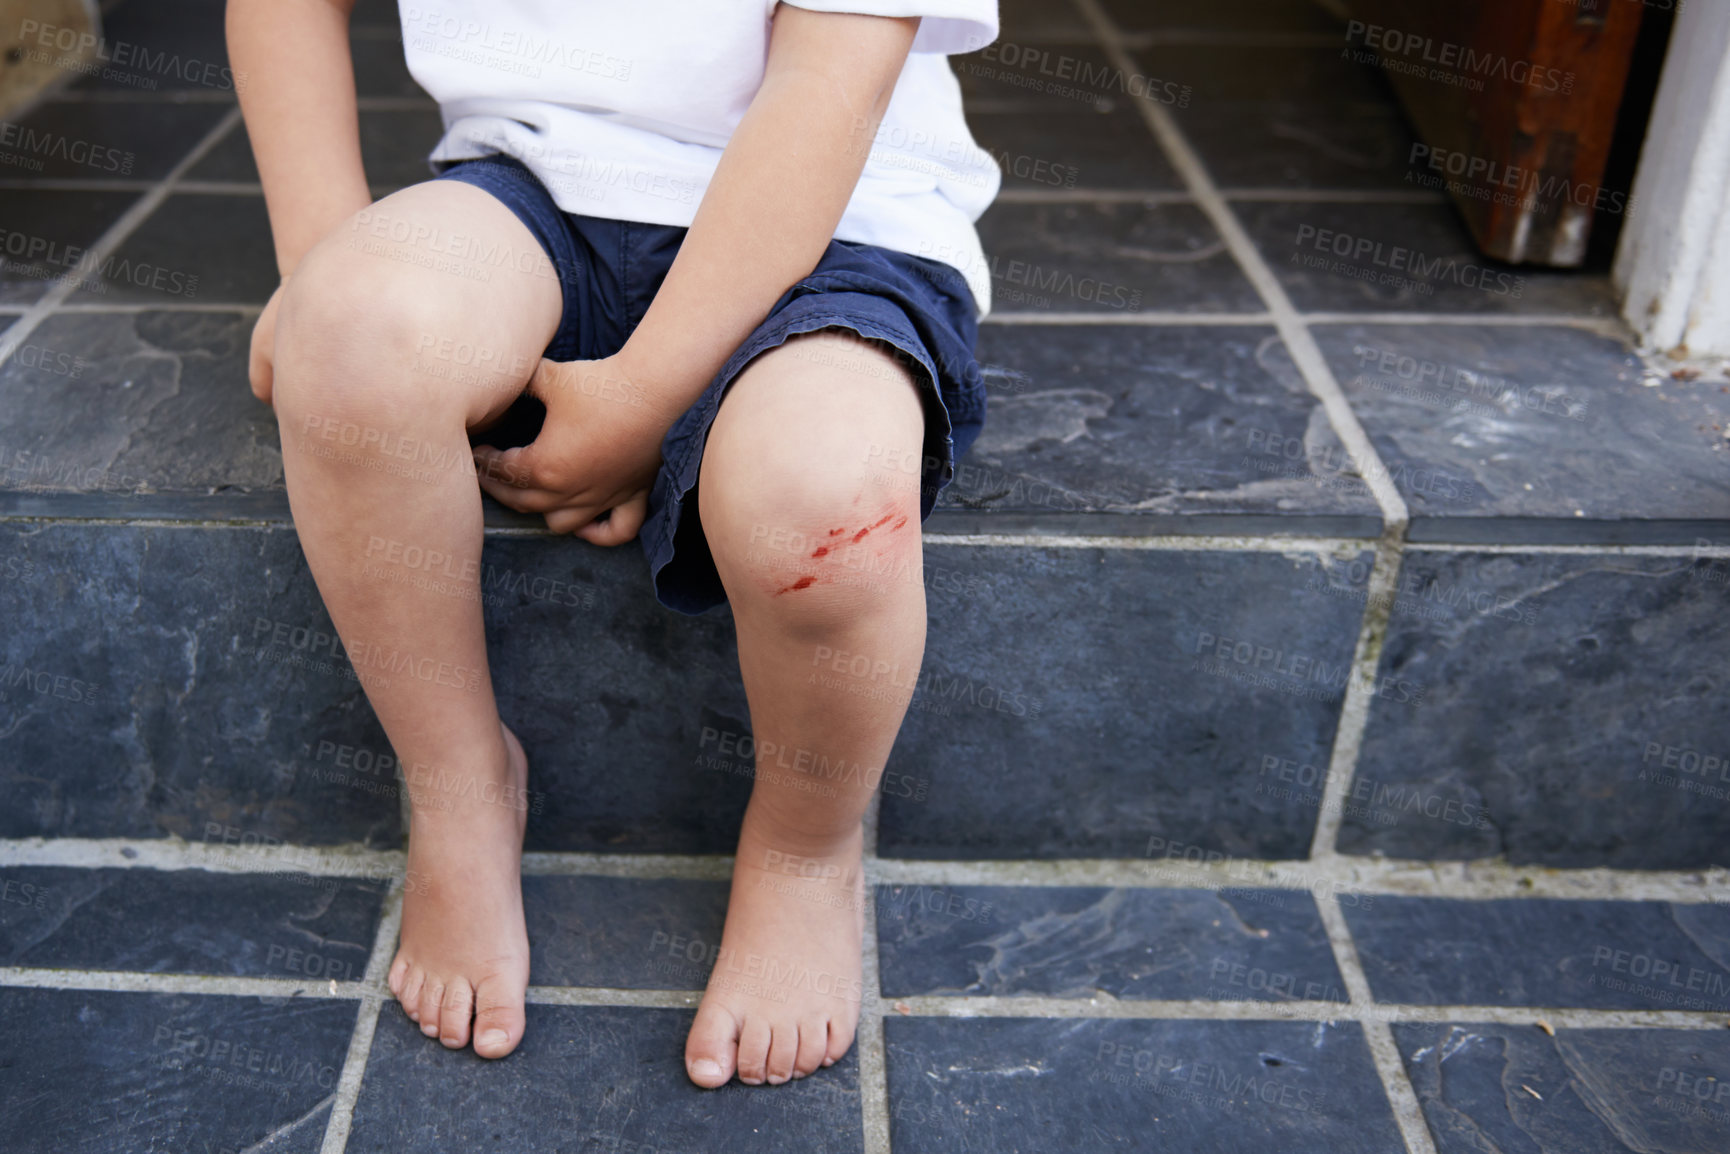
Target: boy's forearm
[299,105]
[776,197]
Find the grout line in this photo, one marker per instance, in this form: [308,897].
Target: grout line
[1204,543]
[610,996]
[100,250]
[219,985]
[1104,1006]
[925,1006]
[1609,325]
[1402,1099]
[1381,594]
[1450,880]
[1688,551]
[123,307]
[1149,197]
[1122,317]
[1332,196]
[873,1056]
[1310,362]
[366,1026]
[1319,377]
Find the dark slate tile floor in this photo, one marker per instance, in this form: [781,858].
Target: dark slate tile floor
[1142,665]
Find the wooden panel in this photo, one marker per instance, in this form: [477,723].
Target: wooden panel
[1516,101]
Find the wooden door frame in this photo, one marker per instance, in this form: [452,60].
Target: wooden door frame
[1673,261]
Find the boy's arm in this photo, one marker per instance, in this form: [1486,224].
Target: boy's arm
[765,220]
[299,103]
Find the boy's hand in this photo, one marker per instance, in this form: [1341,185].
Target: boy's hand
[597,451]
[261,362]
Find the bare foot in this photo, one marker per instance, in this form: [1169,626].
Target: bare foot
[464,951]
[783,998]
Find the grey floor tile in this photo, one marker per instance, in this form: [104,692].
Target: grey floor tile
[1053,723]
[1074,942]
[1320,145]
[1110,258]
[1221,74]
[1488,1086]
[136,403]
[169,46]
[196,248]
[394,144]
[1532,434]
[623,933]
[1406,258]
[1063,76]
[75,140]
[47,235]
[1042,20]
[1542,952]
[1026,1086]
[1073,148]
[90,1072]
[1179,429]
[380,69]
[1239,16]
[1574,713]
[588,1078]
[265,925]
[145,668]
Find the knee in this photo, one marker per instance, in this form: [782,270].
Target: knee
[349,329]
[808,535]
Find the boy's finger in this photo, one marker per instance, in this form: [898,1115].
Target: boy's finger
[563,521]
[516,497]
[621,524]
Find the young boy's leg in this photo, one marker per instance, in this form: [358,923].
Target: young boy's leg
[388,349]
[818,547]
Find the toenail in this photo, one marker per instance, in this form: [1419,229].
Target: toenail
[707,1067]
[429,1029]
[776,1080]
[494,1038]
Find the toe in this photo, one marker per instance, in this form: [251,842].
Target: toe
[754,1039]
[398,971]
[455,1013]
[783,1051]
[813,1046]
[840,1041]
[409,995]
[499,1017]
[711,1050]
[432,996]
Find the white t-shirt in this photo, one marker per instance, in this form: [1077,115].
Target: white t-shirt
[622,107]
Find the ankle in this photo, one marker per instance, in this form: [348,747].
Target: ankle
[771,842]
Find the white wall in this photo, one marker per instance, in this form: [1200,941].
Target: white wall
[1673,264]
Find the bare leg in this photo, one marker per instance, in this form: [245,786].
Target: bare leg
[816,538]
[385,357]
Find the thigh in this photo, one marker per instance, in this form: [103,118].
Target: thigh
[443,282]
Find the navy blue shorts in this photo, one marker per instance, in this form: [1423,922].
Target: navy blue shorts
[611,269]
